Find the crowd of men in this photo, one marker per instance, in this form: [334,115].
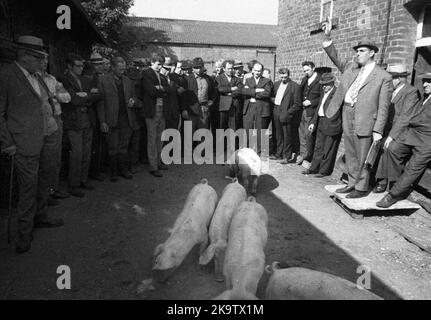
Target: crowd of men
[97,117]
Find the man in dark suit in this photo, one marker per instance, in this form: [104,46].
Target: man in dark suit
[413,144]
[200,96]
[117,116]
[78,125]
[27,125]
[257,107]
[328,130]
[311,90]
[364,94]
[229,88]
[403,102]
[286,97]
[155,90]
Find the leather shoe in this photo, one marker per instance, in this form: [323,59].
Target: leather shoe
[24,243]
[346,189]
[48,223]
[321,175]
[87,186]
[53,202]
[98,177]
[57,194]
[163,167]
[76,192]
[156,174]
[356,194]
[388,201]
[126,175]
[380,188]
[306,172]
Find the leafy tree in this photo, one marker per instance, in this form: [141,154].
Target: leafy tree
[109,16]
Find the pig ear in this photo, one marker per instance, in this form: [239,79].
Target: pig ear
[159,249]
[204,181]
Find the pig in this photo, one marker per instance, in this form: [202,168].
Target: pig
[246,165]
[245,257]
[190,229]
[306,284]
[233,195]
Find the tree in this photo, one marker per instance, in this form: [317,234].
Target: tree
[109,16]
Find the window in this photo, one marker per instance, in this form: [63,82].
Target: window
[326,10]
[424,28]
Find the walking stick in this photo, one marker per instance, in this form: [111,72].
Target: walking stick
[9,220]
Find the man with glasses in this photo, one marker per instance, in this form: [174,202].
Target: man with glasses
[413,145]
[27,126]
[77,126]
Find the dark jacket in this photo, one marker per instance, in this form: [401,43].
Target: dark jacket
[108,108]
[229,99]
[401,108]
[418,132]
[291,103]
[150,93]
[191,95]
[329,126]
[21,121]
[312,93]
[77,112]
[172,103]
[262,98]
[181,83]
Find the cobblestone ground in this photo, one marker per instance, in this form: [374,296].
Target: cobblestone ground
[110,235]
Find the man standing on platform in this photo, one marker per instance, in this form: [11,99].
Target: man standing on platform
[364,94]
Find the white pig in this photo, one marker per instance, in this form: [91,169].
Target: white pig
[306,284]
[245,257]
[233,195]
[246,165]
[190,229]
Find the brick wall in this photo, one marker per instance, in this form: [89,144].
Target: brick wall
[356,19]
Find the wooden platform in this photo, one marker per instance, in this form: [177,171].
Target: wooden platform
[358,207]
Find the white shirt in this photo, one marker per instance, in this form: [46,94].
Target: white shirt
[367,71]
[398,89]
[280,93]
[325,97]
[31,78]
[426,100]
[312,78]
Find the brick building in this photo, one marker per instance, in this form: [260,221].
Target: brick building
[401,29]
[186,39]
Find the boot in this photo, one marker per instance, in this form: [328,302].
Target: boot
[123,163]
[113,165]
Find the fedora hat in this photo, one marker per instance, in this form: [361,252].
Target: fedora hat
[198,63]
[425,76]
[327,78]
[398,70]
[96,58]
[238,64]
[32,44]
[366,43]
[186,65]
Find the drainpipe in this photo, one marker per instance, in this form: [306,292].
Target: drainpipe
[386,39]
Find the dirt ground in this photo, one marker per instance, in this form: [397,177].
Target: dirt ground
[109,237]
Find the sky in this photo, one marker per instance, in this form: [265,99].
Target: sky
[242,11]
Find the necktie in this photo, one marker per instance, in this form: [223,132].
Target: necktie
[356,86]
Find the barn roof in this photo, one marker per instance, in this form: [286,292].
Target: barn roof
[197,32]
